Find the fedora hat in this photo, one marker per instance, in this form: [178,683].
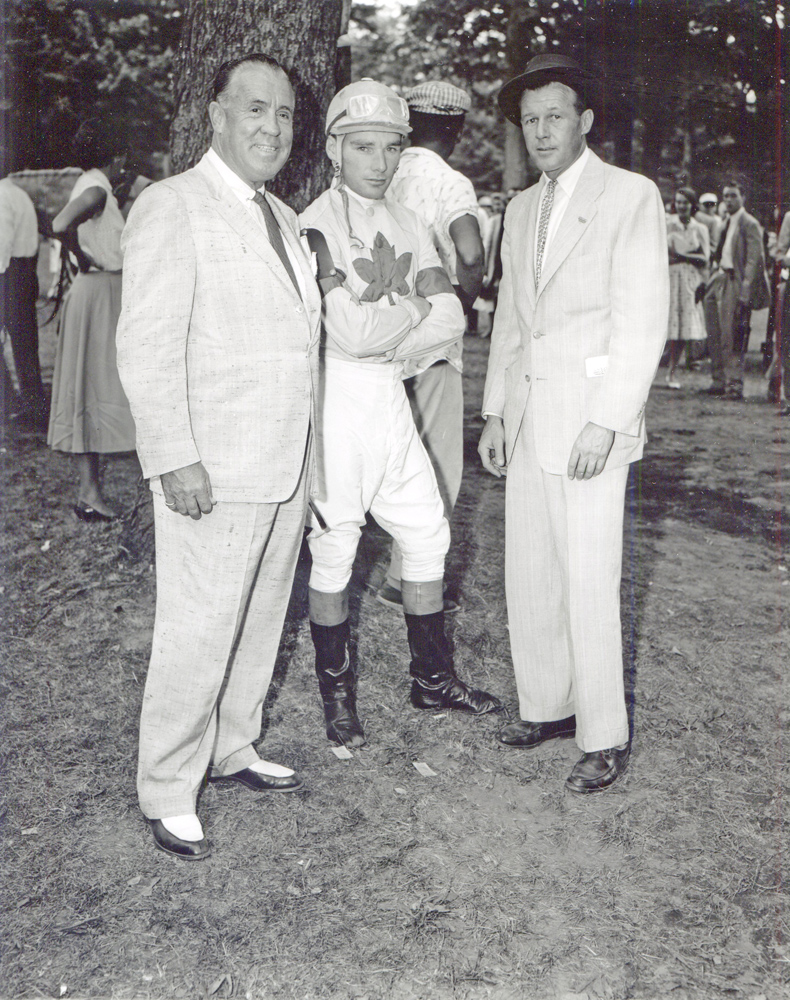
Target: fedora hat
[541,70]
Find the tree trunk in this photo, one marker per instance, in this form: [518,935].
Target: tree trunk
[300,34]
[521,15]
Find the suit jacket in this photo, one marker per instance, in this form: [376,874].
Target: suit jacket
[216,350]
[748,261]
[586,344]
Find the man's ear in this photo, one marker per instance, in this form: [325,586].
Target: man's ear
[216,114]
[587,121]
[331,148]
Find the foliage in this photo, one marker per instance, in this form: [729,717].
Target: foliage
[689,89]
[68,60]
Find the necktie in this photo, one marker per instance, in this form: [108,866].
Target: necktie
[720,245]
[275,236]
[543,227]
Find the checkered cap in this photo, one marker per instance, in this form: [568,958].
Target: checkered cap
[438,98]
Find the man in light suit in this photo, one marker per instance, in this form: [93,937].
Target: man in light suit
[217,347]
[578,334]
[737,286]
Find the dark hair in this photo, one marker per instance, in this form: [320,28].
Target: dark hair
[577,87]
[95,143]
[690,195]
[426,126]
[732,183]
[222,79]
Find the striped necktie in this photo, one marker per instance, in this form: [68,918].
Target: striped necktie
[543,227]
[276,237]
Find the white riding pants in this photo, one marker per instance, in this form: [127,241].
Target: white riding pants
[371,459]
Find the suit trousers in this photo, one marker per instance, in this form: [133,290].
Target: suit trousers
[437,405]
[223,584]
[728,333]
[18,294]
[563,563]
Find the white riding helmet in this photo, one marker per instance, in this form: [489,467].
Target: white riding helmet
[367,106]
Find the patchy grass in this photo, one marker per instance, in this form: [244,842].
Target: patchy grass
[488,880]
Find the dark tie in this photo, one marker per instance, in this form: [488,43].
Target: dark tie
[716,259]
[276,237]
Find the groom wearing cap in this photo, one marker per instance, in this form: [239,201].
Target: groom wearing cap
[445,201]
[577,338]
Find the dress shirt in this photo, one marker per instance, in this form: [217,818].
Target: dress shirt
[726,252]
[246,196]
[18,224]
[566,185]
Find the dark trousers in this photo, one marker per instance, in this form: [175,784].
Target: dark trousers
[18,294]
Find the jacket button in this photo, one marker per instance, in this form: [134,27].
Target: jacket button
[537,334]
[526,378]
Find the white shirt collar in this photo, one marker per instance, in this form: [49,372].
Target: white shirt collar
[364,202]
[569,177]
[240,188]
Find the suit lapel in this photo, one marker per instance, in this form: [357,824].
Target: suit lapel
[239,219]
[579,213]
[313,298]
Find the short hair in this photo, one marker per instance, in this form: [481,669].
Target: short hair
[223,75]
[96,143]
[732,183]
[426,126]
[690,195]
[576,87]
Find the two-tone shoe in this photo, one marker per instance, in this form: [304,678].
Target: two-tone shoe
[260,782]
[189,850]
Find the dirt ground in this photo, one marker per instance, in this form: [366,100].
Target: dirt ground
[485,880]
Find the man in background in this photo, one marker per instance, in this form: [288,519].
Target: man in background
[445,201]
[706,214]
[18,294]
[737,286]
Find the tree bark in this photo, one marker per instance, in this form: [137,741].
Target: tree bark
[302,35]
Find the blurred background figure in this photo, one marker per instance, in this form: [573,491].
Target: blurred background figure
[18,294]
[90,414]
[706,214]
[779,372]
[689,253]
[486,301]
[490,224]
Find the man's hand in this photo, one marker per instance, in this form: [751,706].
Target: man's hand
[188,490]
[492,447]
[423,306]
[590,451]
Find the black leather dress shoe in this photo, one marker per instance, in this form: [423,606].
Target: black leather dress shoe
[714,390]
[598,770]
[263,782]
[189,850]
[531,734]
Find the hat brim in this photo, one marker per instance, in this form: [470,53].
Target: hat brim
[509,97]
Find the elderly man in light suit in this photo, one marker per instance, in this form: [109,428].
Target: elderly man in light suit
[578,335]
[217,348]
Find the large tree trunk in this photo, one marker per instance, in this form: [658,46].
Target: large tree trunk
[300,34]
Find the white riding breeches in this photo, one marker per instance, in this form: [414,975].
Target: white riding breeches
[371,459]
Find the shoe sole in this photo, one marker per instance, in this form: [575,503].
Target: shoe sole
[567,735]
[182,857]
[257,788]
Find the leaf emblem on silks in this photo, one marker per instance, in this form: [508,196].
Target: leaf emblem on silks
[385,273]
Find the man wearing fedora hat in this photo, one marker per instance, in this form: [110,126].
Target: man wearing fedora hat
[578,334]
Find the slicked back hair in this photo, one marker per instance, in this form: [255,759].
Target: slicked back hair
[222,79]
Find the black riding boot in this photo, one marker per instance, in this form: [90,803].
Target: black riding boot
[436,684]
[337,683]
